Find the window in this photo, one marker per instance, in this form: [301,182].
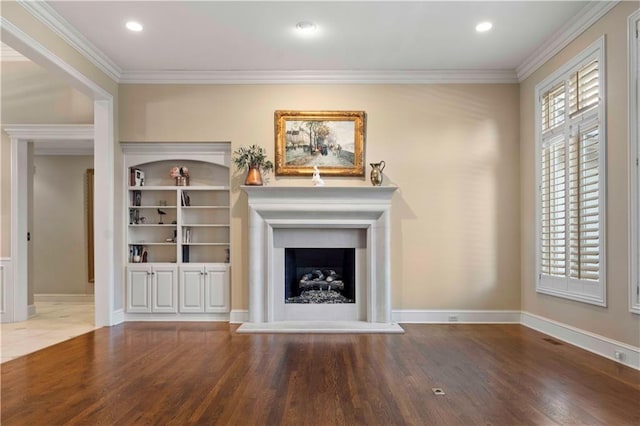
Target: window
[570,172]
[634,151]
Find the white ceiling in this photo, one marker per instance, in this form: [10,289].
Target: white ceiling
[382,36]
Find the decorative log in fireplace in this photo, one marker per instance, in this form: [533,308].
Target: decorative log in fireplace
[321,280]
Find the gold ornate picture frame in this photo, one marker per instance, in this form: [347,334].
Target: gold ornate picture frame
[331,140]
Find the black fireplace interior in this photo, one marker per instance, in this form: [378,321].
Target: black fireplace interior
[320,275]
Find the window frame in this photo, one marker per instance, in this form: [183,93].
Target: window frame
[567,287]
[633,25]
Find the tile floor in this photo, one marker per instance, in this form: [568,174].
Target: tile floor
[53,322]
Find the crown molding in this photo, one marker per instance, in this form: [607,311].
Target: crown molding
[48,132]
[52,19]
[589,15]
[569,32]
[57,23]
[320,77]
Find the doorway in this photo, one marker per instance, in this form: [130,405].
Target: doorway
[104,162]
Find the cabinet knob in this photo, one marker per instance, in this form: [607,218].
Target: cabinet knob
[201,273]
[153,273]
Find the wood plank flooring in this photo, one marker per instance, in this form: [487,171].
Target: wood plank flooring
[205,373]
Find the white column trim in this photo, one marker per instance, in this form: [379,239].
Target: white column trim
[19,284]
[634,169]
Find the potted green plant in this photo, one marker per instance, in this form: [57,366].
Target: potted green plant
[254,159]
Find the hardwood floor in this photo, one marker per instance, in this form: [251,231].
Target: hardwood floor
[204,373]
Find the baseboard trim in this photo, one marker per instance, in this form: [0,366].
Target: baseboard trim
[63,298]
[586,340]
[239,316]
[428,316]
[31,310]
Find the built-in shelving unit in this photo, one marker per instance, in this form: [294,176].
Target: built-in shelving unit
[179,226]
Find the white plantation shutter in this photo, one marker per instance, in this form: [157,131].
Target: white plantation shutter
[584,205]
[553,208]
[570,174]
[553,108]
[583,88]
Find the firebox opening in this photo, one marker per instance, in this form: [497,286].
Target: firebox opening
[320,275]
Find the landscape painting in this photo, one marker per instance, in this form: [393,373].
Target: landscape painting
[333,141]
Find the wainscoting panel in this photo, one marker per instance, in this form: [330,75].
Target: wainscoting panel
[6,294]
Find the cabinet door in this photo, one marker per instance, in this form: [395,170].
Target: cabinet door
[165,289]
[192,289]
[138,289]
[216,290]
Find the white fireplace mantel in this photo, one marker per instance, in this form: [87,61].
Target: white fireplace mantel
[329,207]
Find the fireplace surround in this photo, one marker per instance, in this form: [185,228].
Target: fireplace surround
[340,216]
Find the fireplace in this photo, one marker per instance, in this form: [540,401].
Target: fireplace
[305,238]
[319,275]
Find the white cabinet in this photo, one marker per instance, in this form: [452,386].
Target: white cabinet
[152,288]
[139,288]
[191,289]
[178,231]
[216,288]
[204,288]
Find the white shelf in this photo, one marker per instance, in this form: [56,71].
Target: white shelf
[207,217]
[206,225]
[152,244]
[184,188]
[143,225]
[205,244]
[153,207]
[205,207]
[204,188]
[154,188]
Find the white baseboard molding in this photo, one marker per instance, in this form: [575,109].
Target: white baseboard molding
[63,298]
[428,316]
[31,310]
[239,316]
[599,345]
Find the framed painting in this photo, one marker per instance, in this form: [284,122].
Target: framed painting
[331,140]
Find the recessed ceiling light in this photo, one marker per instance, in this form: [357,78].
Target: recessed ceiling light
[134,26]
[484,27]
[306,27]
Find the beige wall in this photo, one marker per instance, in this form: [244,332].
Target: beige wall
[453,150]
[615,321]
[60,224]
